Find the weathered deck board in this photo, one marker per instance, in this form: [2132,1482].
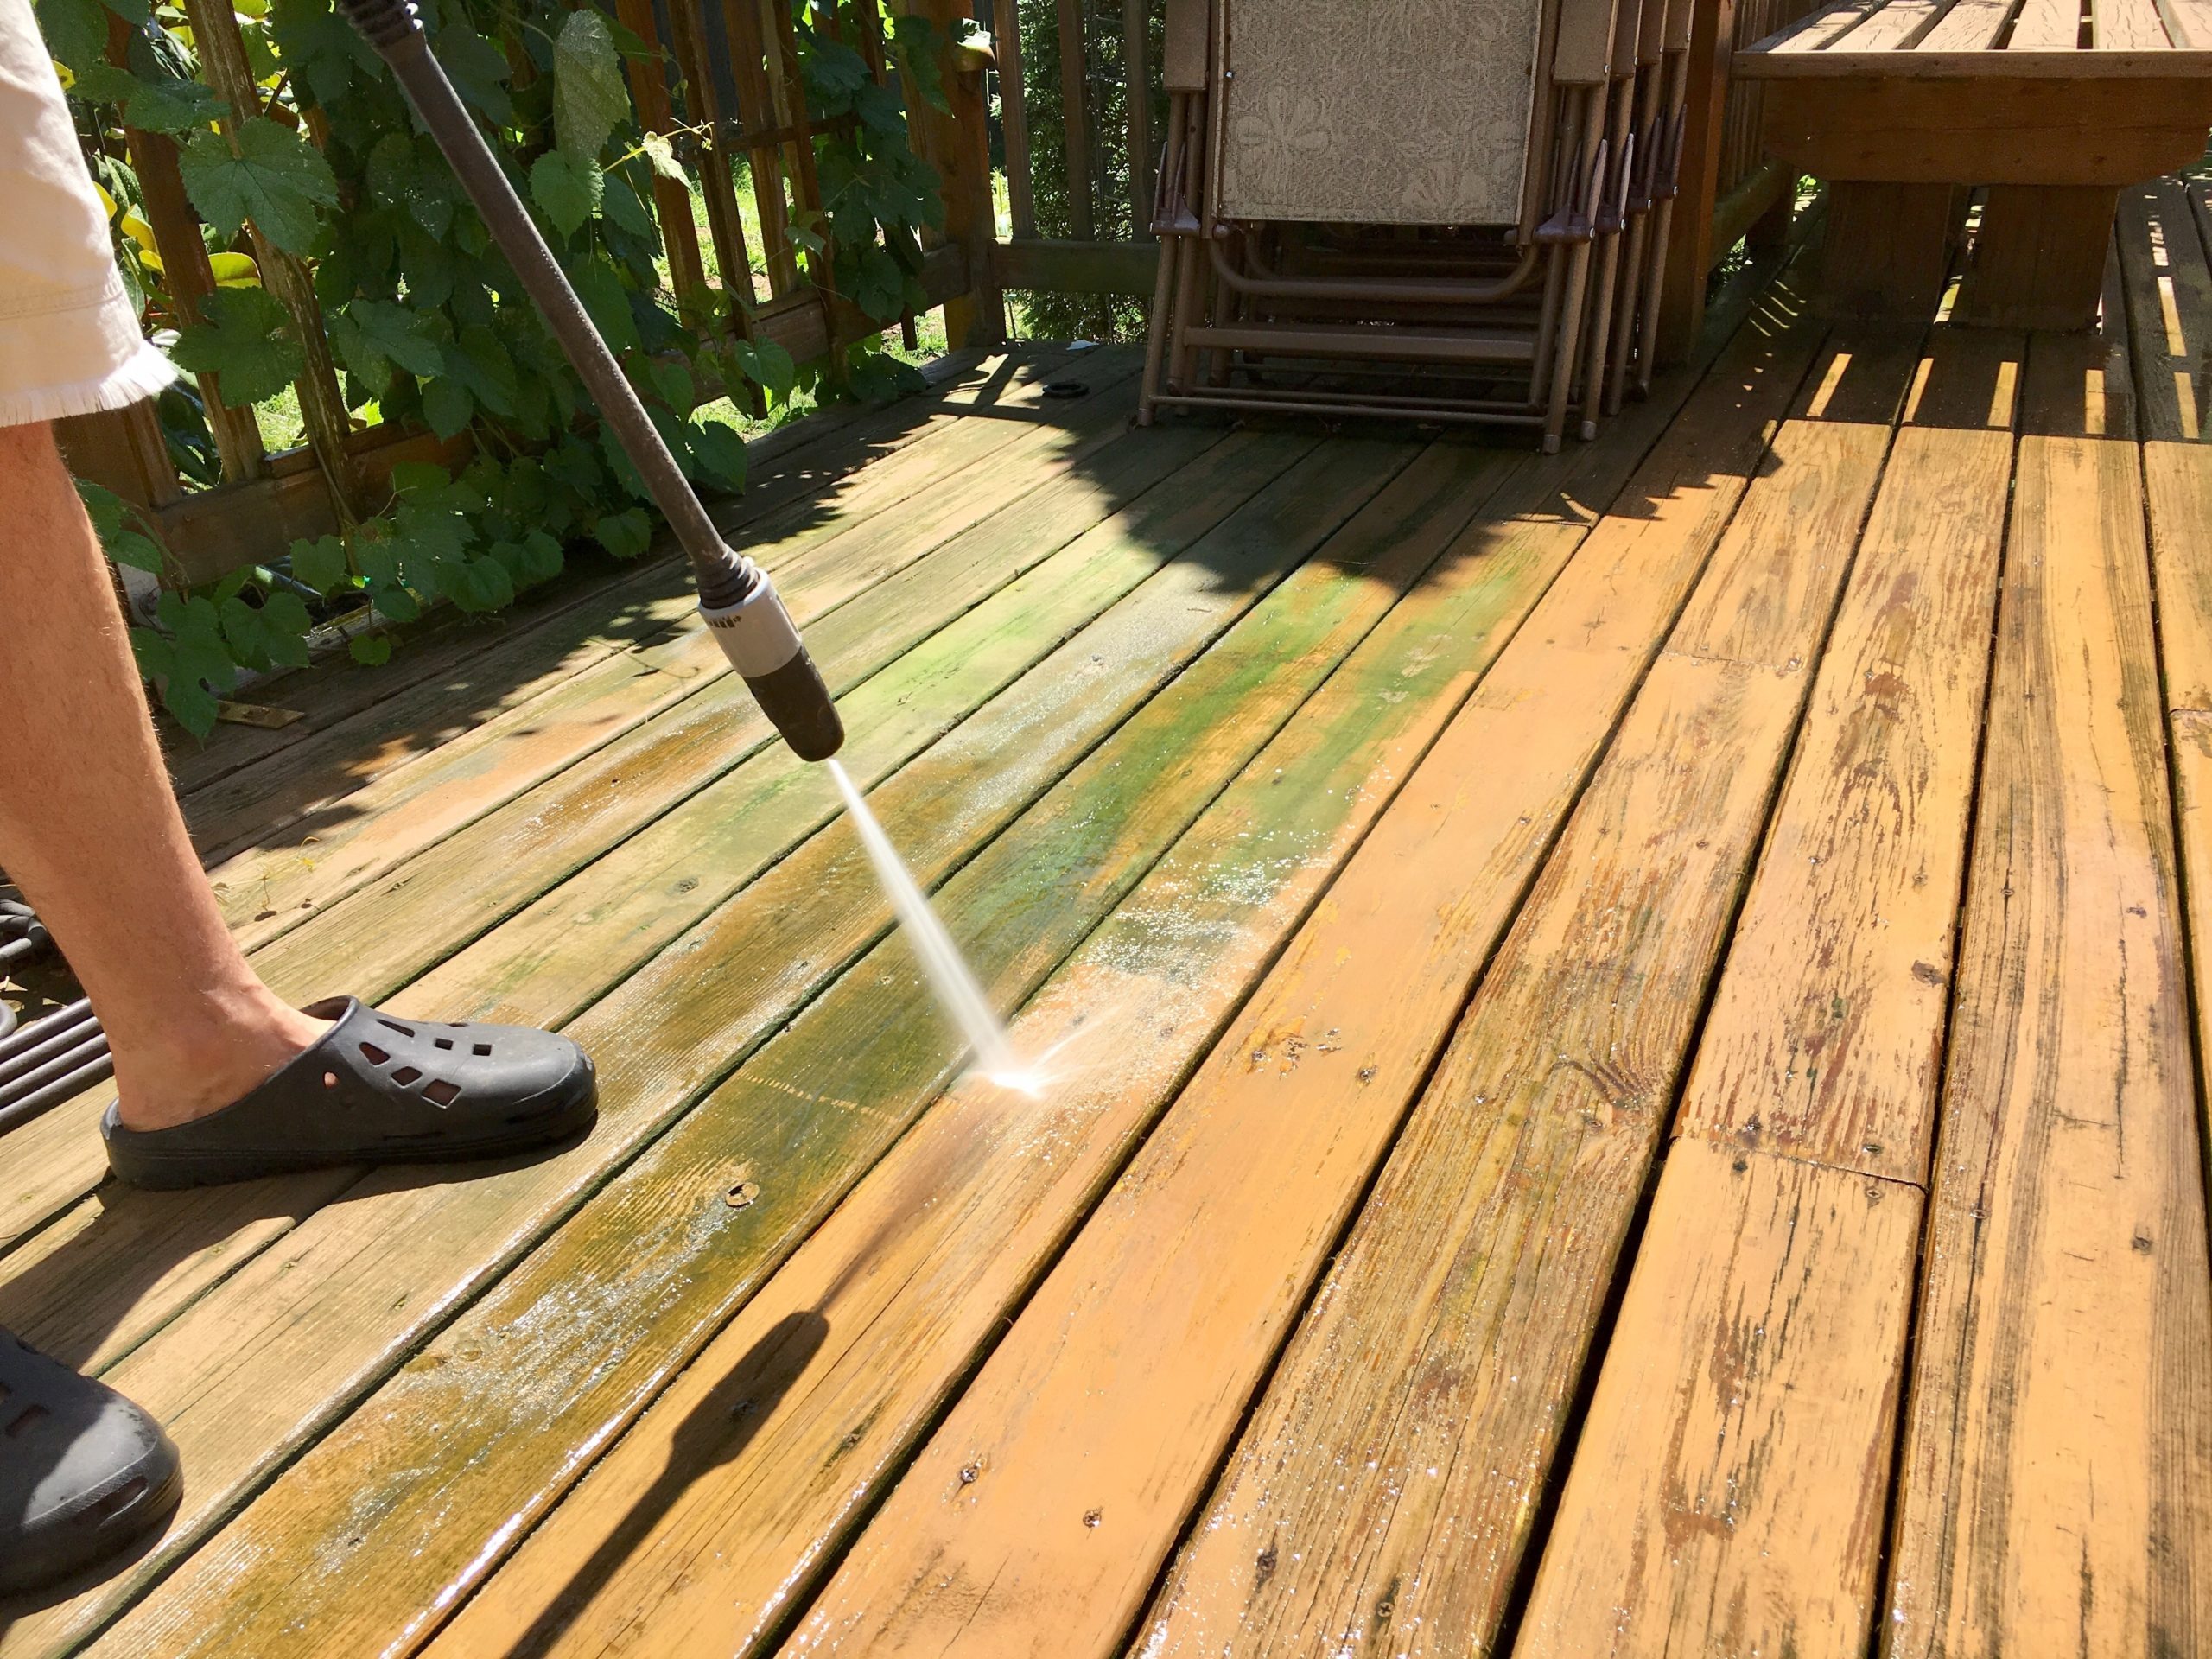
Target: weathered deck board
[913,1271]
[452,893]
[697,855]
[785,525]
[267,886]
[1098,830]
[2057,1485]
[415,1250]
[1730,1487]
[1168,717]
[1384,1487]
[1269,1148]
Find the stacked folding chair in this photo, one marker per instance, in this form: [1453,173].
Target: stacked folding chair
[1436,209]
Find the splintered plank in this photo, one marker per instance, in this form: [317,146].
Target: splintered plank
[2058,1475]
[479,671]
[1826,1032]
[1384,1487]
[77,1287]
[915,1269]
[320,855]
[250,1372]
[1730,1483]
[871,1042]
[1116,1391]
[393,930]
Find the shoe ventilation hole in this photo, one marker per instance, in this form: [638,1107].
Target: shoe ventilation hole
[482,1050]
[330,1079]
[443,1092]
[373,1054]
[441,1042]
[26,1420]
[121,1498]
[405,1075]
[394,1025]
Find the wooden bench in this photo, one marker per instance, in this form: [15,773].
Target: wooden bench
[2054,105]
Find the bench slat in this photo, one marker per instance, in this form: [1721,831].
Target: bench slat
[2047,25]
[1899,25]
[2189,22]
[1821,29]
[1970,26]
[2127,26]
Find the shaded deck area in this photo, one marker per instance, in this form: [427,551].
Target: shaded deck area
[1623,1058]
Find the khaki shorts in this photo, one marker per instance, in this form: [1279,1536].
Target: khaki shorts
[69,339]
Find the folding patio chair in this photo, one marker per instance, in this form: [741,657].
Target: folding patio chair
[1416,190]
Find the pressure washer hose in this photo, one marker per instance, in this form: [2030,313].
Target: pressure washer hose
[735,597]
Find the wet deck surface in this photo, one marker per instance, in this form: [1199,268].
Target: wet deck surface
[1622,1053]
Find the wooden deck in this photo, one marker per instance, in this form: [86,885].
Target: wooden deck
[1626,1068]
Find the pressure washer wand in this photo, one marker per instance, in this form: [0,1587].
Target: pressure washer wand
[735,597]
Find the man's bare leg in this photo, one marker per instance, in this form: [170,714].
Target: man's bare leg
[90,832]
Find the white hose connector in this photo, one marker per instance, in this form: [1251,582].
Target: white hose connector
[756,634]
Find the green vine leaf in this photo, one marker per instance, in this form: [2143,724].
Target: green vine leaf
[373,338]
[719,449]
[625,535]
[370,650]
[246,339]
[478,70]
[408,172]
[321,564]
[589,99]
[171,106]
[570,191]
[112,522]
[277,179]
[447,406]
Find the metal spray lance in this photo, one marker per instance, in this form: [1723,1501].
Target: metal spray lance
[735,597]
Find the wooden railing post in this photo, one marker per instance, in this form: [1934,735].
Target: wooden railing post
[1689,247]
[959,147]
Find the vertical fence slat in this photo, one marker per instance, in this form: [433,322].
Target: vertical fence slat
[957,145]
[672,202]
[757,113]
[1075,118]
[1013,116]
[222,57]
[1136,58]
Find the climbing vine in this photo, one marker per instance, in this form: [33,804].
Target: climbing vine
[425,320]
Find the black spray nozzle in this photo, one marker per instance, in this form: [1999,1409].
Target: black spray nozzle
[728,584]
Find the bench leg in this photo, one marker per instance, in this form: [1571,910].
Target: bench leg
[2039,257]
[1888,250]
